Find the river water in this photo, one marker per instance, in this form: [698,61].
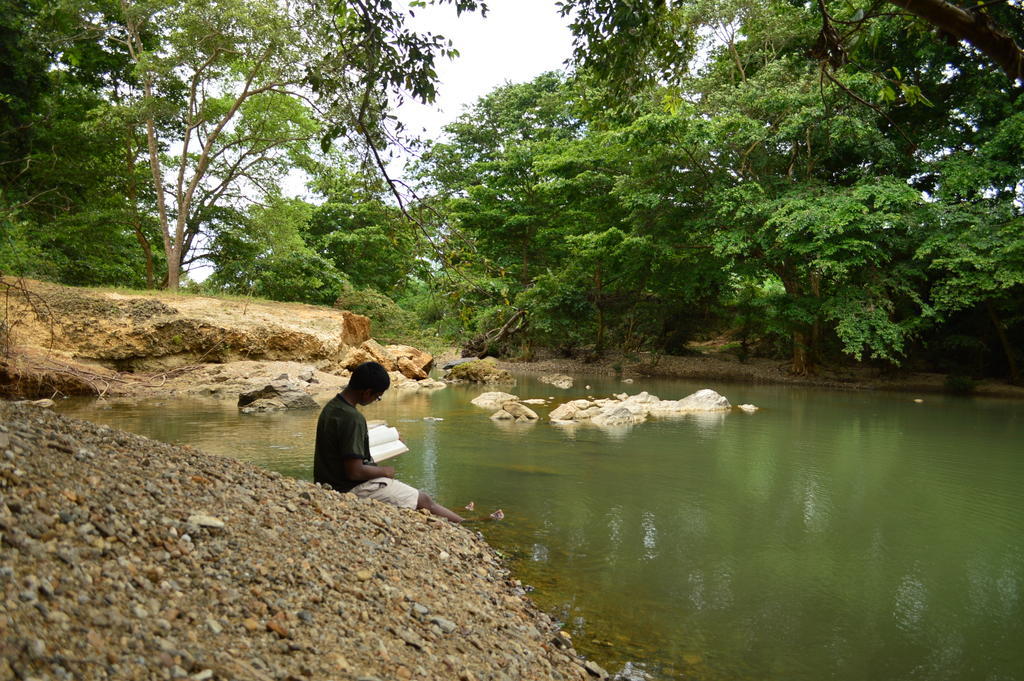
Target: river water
[831,535]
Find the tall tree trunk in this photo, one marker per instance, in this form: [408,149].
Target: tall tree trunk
[133,197]
[598,303]
[147,250]
[136,49]
[802,364]
[814,348]
[170,247]
[803,360]
[1004,341]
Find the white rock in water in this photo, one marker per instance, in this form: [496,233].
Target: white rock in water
[564,412]
[636,409]
[202,520]
[520,411]
[493,400]
[704,400]
[643,398]
[616,416]
[422,385]
[535,400]
[749,408]
[44,403]
[501,415]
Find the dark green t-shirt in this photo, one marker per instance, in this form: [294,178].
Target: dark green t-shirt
[340,434]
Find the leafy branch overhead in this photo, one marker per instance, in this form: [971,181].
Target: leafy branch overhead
[623,39]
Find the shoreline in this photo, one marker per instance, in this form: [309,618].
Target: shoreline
[124,557]
[724,367]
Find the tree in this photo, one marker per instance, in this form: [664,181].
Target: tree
[217,96]
[823,156]
[228,93]
[263,253]
[621,40]
[975,250]
[356,230]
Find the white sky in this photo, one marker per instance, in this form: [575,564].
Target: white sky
[517,41]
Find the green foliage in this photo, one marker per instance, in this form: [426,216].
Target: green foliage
[391,323]
[263,254]
[19,253]
[356,230]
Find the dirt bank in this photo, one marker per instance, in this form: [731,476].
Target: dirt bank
[60,340]
[722,366]
[122,557]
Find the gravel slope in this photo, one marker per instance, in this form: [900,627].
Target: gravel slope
[109,569]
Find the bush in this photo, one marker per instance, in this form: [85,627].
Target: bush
[391,323]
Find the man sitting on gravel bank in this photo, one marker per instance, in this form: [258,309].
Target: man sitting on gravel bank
[342,458]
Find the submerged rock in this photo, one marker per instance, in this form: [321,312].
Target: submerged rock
[479,371]
[557,380]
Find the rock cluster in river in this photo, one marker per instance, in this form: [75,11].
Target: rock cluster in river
[508,406]
[626,409]
[404,359]
[122,557]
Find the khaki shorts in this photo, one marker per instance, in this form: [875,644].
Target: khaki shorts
[389,491]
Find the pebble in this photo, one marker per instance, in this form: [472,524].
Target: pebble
[202,520]
[447,626]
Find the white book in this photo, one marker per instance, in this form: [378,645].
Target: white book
[384,443]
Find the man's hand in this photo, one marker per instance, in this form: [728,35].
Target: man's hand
[387,471]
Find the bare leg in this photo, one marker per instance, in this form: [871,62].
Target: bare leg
[426,502]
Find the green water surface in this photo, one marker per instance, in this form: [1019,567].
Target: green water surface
[830,535]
